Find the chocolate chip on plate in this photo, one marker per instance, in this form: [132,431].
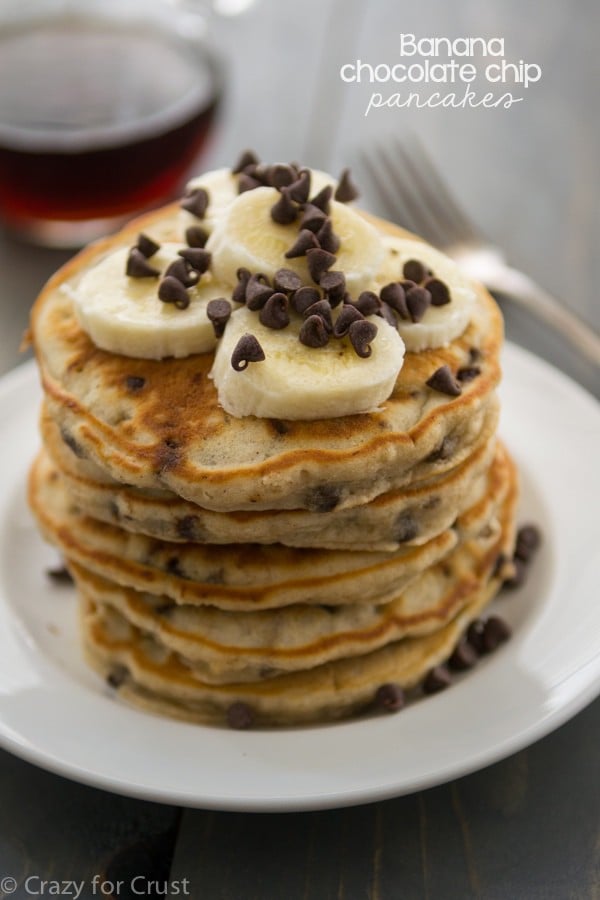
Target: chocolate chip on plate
[240,715]
[437,679]
[390,696]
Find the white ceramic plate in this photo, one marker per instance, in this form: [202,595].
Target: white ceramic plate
[56,713]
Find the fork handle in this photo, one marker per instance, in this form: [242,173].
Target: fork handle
[524,291]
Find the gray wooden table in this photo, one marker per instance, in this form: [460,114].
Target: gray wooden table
[527,827]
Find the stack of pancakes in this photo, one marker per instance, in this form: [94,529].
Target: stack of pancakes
[260,570]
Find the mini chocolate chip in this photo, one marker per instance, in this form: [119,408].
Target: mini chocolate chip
[418,301]
[138,266]
[312,218]
[361,333]
[528,540]
[304,298]
[196,202]
[414,270]
[247,158]
[239,715]
[284,212]
[440,294]
[495,632]
[468,373]
[368,303]
[300,189]
[135,382]
[117,676]
[60,574]
[246,350]
[239,291]
[313,332]
[348,314]
[195,236]
[405,527]
[326,238]
[198,258]
[346,190]
[393,294]
[444,381]
[390,696]
[319,261]
[218,311]
[518,577]
[464,656]
[386,312]
[171,290]
[274,313]
[281,176]
[323,309]
[437,679]
[258,291]
[247,183]
[306,240]
[334,285]
[321,200]
[146,245]
[286,281]
[475,635]
[179,270]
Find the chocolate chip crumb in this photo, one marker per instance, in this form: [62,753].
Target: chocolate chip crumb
[171,290]
[135,382]
[239,715]
[346,190]
[464,656]
[284,212]
[286,281]
[319,261]
[146,245]
[418,300]
[313,332]
[246,350]
[437,679]
[247,158]
[218,312]
[274,313]
[304,298]
[196,202]
[468,373]
[444,381]
[495,632]
[138,266]
[440,294]
[415,271]
[306,240]
[348,314]
[195,236]
[390,696]
[321,200]
[198,258]
[361,333]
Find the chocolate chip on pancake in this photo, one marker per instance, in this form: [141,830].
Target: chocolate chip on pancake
[334,285]
[171,290]
[218,311]
[247,183]
[304,298]
[117,676]
[246,350]
[275,313]
[444,381]
[180,270]
[322,199]
[415,270]
[405,527]
[239,291]
[346,190]
[258,291]
[312,218]
[440,293]
[284,212]
[418,301]
[368,303]
[281,176]
[393,294]
[322,309]
[326,237]
[319,261]
[287,281]
[313,332]
[300,189]
[135,382]
[198,258]
[324,498]
[306,240]
[138,266]
[361,333]
[468,373]
[348,314]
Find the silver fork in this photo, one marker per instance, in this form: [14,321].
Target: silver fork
[416,197]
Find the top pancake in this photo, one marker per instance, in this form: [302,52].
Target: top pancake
[172,433]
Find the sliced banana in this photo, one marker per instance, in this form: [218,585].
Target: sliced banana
[222,188]
[441,324]
[124,315]
[299,382]
[247,236]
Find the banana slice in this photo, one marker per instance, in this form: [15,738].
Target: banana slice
[246,235]
[124,315]
[222,188]
[299,382]
[441,324]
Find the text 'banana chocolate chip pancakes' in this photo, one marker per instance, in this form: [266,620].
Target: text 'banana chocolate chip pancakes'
[270,456]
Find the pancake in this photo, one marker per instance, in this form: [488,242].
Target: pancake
[148,673]
[248,576]
[172,434]
[415,513]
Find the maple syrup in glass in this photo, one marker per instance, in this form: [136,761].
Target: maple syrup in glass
[100,118]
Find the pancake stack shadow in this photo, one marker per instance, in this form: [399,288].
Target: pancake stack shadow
[258,572]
